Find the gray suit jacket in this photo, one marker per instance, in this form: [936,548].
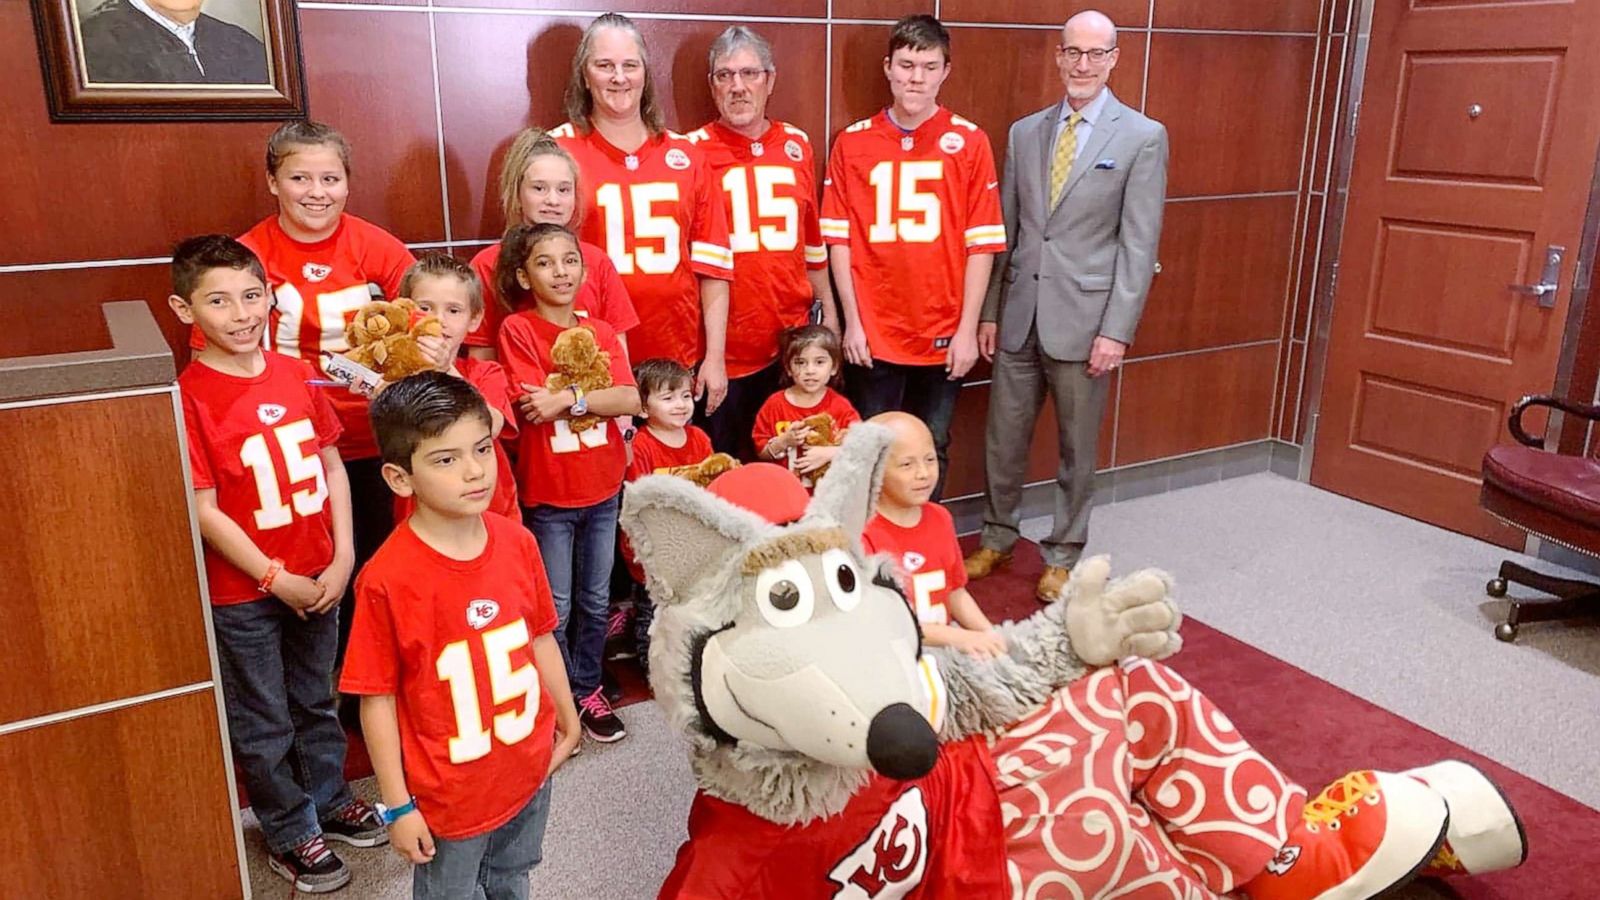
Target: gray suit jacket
[1084,267]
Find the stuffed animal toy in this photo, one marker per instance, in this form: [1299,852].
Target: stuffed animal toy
[705,471]
[837,757]
[822,434]
[383,337]
[579,361]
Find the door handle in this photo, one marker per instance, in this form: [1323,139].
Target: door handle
[1544,293]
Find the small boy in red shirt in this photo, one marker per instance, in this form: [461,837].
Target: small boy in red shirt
[921,537]
[448,288]
[273,505]
[465,704]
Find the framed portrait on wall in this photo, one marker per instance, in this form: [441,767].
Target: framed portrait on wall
[131,60]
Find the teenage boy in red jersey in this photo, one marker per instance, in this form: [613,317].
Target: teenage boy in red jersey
[465,703]
[911,213]
[766,172]
[274,512]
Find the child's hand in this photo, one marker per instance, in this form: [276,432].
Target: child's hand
[372,394]
[981,644]
[410,837]
[540,405]
[565,744]
[298,591]
[814,458]
[792,437]
[334,579]
[437,351]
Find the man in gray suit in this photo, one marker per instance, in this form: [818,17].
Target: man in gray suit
[1083,189]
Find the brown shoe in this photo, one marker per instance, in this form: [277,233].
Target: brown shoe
[1051,583]
[984,561]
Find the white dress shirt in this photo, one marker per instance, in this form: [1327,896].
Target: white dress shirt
[1090,113]
[185,33]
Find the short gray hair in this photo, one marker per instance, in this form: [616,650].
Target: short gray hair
[739,37]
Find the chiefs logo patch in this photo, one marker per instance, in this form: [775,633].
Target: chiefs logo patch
[270,413]
[890,862]
[792,150]
[950,142]
[315,271]
[677,159]
[912,560]
[481,612]
[1285,860]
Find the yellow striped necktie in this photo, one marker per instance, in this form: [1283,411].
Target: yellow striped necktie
[1061,163]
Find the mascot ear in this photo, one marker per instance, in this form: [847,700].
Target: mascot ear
[848,491]
[682,535]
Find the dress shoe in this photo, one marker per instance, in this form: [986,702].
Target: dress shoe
[984,561]
[1051,584]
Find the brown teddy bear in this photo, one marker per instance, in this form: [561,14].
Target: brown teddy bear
[579,361]
[705,470]
[383,337]
[822,435]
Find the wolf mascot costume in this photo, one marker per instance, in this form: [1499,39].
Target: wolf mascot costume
[837,757]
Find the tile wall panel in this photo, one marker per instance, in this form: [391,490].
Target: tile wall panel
[1180,404]
[1240,15]
[58,310]
[1127,14]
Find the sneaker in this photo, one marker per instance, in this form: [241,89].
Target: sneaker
[1485,834]
[618,634]
[1051,584]
[357,824]
[311,867]
[599,721]
[984,561]
[1366,833]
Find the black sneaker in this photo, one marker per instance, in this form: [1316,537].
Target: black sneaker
[599,722]
[311,867]
[357,825]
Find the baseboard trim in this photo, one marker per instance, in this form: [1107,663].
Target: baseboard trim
[1144,479]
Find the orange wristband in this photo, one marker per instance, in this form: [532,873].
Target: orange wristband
[273,568]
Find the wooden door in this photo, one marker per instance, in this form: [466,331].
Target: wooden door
[1476,144]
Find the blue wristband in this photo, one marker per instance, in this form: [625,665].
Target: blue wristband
[391,816]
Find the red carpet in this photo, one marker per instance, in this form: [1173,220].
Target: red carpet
[1316,732]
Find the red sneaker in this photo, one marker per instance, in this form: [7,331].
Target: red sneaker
[1485,834]
[1364,834]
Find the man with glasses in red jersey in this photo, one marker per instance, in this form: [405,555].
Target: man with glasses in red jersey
[1082,192]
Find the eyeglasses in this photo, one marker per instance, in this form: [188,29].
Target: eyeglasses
[748,76]
[1096,55]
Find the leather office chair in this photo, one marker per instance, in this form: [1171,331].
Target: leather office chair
[1551,496]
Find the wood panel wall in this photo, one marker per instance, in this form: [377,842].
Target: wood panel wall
[1247,88]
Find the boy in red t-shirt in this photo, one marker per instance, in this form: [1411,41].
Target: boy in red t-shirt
[448,288]
[274,511]
[921,537]
[570,481]
[465,704]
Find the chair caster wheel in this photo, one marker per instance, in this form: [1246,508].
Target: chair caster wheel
[1495,588]
[1505,631]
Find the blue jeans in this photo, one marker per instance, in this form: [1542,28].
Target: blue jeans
[923,391]
[578,546]
[497,862]
[277,688]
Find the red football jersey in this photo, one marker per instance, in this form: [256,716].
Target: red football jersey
[601,295]
[911,208]
[769,188]
[489,377]
[452,640]
[939,837]
[557,466]
[657,214]
[777,414]
[318,288]
[256,441]
[928,554]
[651,455]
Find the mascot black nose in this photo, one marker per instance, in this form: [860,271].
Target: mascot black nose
[901,744]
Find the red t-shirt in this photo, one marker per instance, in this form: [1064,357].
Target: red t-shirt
[928,554]
[936,838]
[318,288]
[452,640]
[555,465]
[662,223]
[769,188]
[911,208]
[489,377]
[601,295]
[777,414]
[256,441]
[651,455]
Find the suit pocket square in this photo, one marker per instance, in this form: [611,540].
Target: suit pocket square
[1106,164]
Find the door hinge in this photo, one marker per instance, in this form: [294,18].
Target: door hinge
[1333,279]
[1355,117]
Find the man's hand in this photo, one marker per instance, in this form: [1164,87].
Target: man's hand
[410,837]
[436,350]
[1105,355]
[961,355]
[988,338]
[711,381]
[856,351]
[1131,617]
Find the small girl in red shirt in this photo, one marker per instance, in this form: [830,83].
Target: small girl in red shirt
[569,482]
[812,359]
